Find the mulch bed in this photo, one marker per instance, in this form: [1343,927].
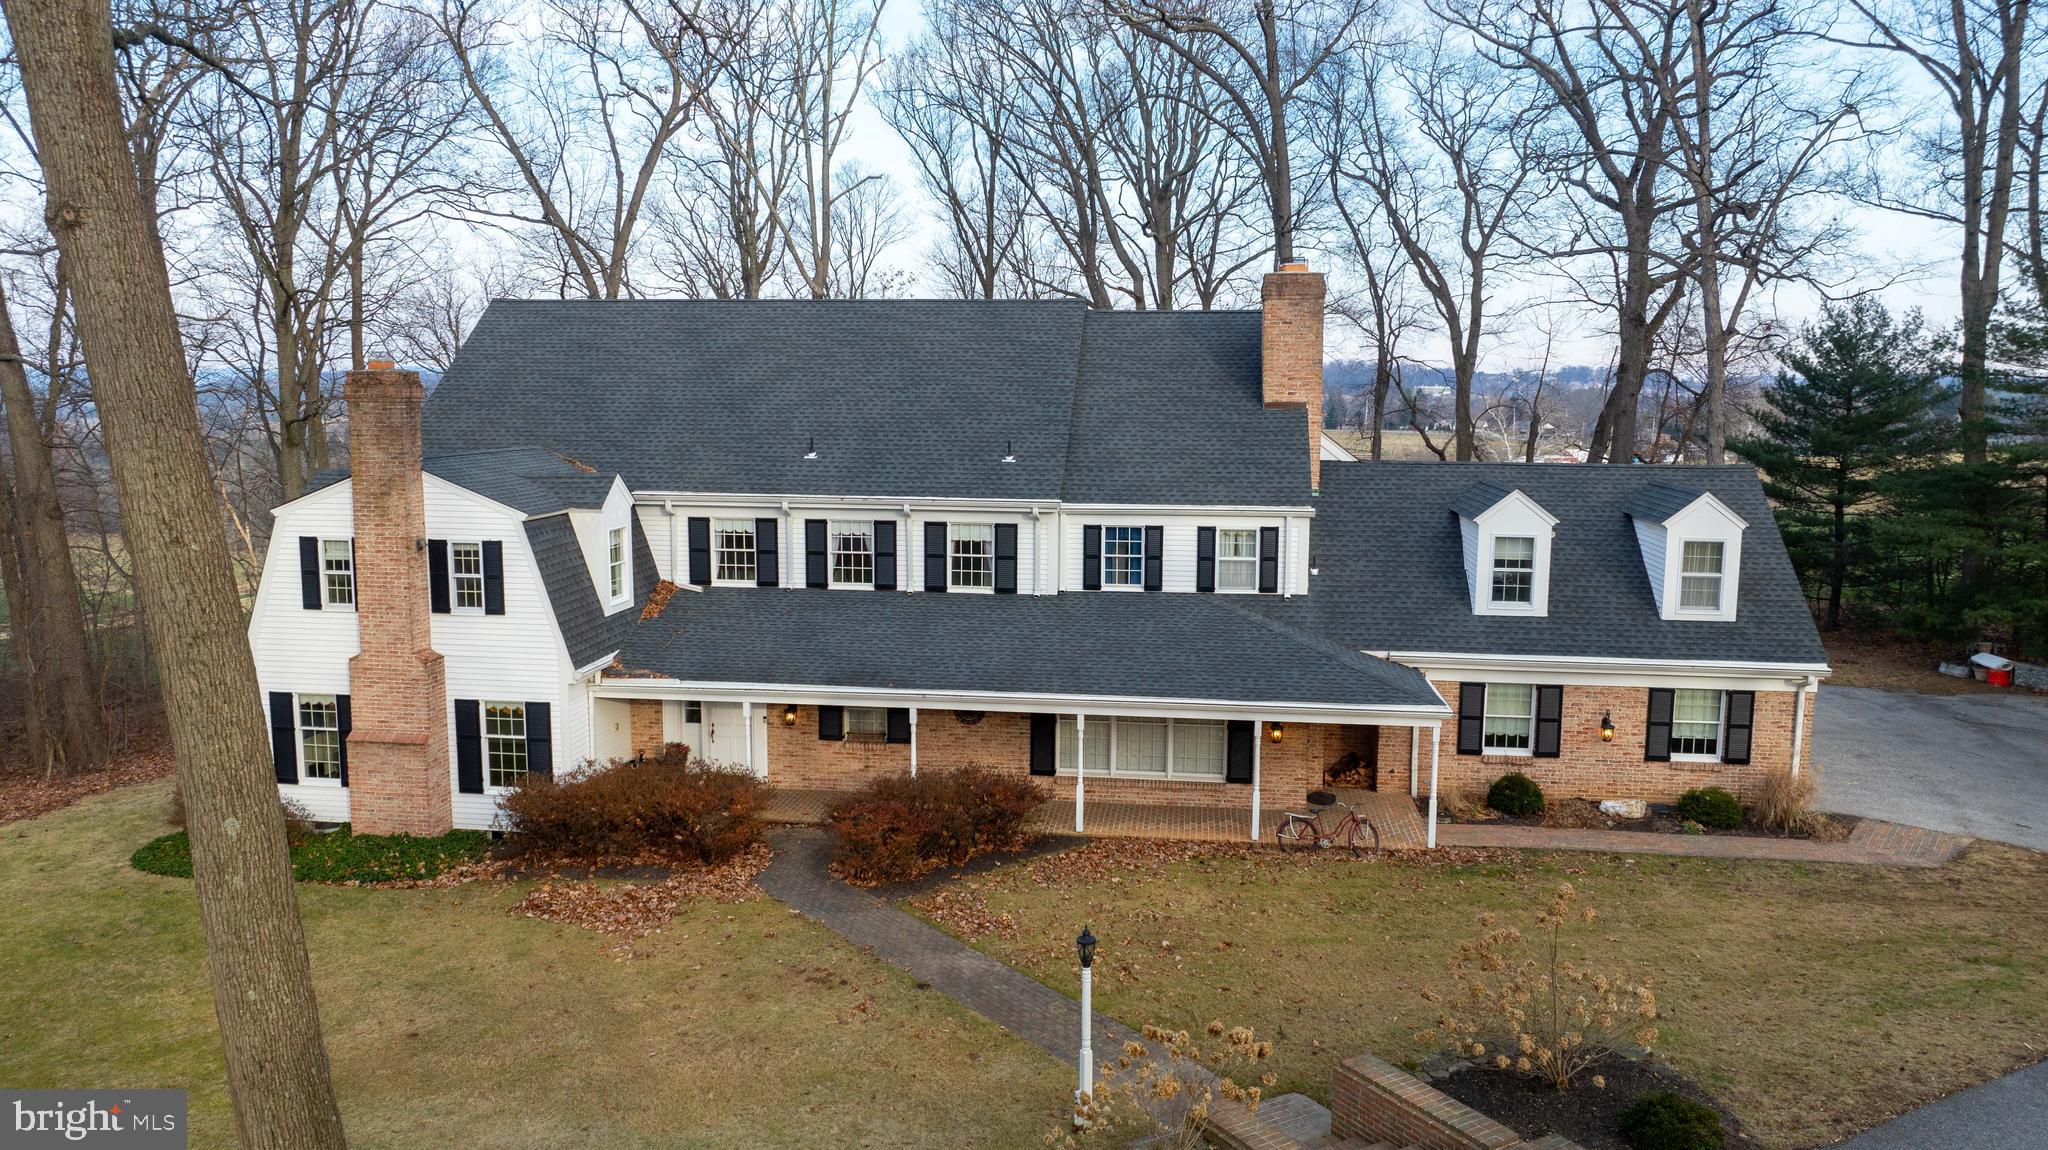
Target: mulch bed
[1586,1114]
[25,793]
[1584,814]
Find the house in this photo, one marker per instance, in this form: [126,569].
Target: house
[823,540]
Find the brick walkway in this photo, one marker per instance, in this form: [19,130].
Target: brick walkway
[1872,843]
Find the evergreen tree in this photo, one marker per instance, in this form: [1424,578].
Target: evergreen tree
[1850,407]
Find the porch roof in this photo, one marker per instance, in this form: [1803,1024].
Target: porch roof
[1178,648]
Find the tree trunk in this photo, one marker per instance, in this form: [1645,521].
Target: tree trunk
[1382,380]
[1462,368]
[76,717]
[255,946]
[35,745]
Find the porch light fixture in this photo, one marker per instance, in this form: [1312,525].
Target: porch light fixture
[789,715]
[1086,946]
[1277,732]
[1606,726]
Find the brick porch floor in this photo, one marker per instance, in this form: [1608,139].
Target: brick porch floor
[1394,814]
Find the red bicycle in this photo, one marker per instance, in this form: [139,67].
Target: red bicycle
[1300,831]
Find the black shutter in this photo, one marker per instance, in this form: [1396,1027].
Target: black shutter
[935,557]
[816,573]
[700,551]
[1091,558]
[1155,548]
[831,723]
[1549,721]
[540,740]
[494,577]
[1657,730]
[437,576]
[898,727]
[1741,716]
[344,724]
[767,573]
[1044,743]
[309,572]
[1269,560]
[1237,751]
[469,748]
[1006,558]
[885,554]
[1205,558]
[284,737]
[1471,718]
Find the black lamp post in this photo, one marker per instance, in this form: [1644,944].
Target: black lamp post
[1086,945]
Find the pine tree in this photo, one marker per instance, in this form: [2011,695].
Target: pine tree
[1851,406]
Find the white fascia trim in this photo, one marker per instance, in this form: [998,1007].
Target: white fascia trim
[1463,661]
[595,664]
[787,502]
[1189,509]
[1000,701]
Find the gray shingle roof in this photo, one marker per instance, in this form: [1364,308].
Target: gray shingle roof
[1657,502]
[1479,498]
[529,479]
[1390,574]
[1092,645]
[902,398]
[587,631]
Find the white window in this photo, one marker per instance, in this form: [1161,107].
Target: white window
[1237,559]
[1510,724]
[853,553]
[338,572]
[1696,723]
[1123,556]
[466,574]
[1699,575]
[1140,748]
[867,722]
[617,560]
[1514,569]
[504,744]
[693,711]
[971,556]
[732,551]
[319,740]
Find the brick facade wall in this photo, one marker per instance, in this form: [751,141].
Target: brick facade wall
[643,726]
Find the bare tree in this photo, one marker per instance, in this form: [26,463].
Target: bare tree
[830,52]
[277,1066]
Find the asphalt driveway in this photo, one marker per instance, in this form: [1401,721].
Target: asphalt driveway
[1968,764]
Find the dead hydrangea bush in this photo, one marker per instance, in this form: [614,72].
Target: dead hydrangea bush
[1160,1092]
[1521,1005]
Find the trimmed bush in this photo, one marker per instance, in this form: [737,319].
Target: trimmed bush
[1710,807]
[1662,1120]
[1515,794]
[665,808]
[900,827]
[338,856]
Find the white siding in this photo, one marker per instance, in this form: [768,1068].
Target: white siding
[1468,535]
[910,546]
[1651,537]
[612,735]
[1177,565]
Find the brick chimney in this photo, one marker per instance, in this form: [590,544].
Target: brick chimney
[398,693]
[1292,300]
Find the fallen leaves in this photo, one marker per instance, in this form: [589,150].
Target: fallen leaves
[26,793]
[632,910]
[965,914]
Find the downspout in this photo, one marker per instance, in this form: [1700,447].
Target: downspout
[675,555]
[1799,720]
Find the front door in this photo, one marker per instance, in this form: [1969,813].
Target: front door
[725,735]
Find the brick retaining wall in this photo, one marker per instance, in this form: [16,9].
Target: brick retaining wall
[1379,1103]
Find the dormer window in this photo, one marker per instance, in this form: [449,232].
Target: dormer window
[1123,556]
[616,561]
[1692,551]
[1699,578]
[1514,570]
[732,543]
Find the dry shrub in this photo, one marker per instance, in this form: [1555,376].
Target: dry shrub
[1573,814]
[1523,1007]
[1785,804]
[1466,801]
[298,821]
[666,808]
[899,827]
[1158,1093]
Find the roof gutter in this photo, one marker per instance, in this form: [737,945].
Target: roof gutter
[1456,661]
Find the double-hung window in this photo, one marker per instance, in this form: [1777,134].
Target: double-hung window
[732,551]
[319,739]
[1123,556]
[970,557]
[504,743]
[868,723]
[616,560]
[1237,559]
[853,553]
[466,575]
[1510,722]
[1696,723]
[1514,569]
[1699,575]
[1145,748]
[338,572]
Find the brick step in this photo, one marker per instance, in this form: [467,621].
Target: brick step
[1362,1144]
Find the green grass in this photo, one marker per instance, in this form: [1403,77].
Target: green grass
[1814,1000]
[337,856]
[451,1022]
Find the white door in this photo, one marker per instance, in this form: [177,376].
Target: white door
[725,735]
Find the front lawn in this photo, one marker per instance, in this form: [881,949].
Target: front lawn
[338,855]
[451,1022]
[1813,1000]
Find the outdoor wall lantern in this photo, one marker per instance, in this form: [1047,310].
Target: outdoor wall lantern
[1607,726]
[789,715]
[1277,732]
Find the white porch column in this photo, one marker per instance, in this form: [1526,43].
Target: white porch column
[1436,738]
[1258,736]
[913,742]
[747,724]
[1080,769]
[1414,759]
